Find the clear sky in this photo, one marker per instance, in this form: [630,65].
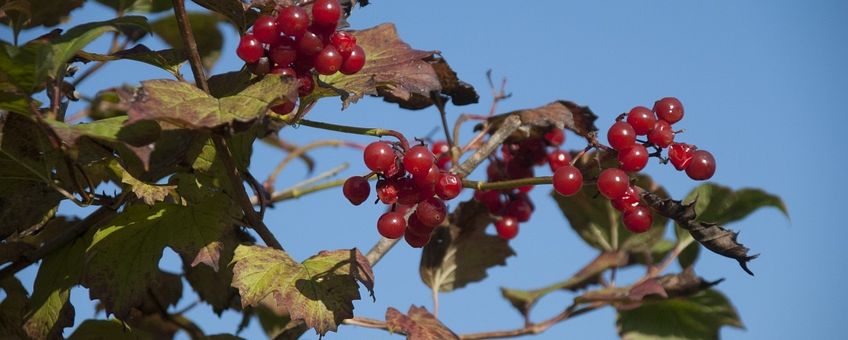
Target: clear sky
[762,83]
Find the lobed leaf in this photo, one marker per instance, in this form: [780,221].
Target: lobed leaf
[461,252]
[209,43]
[700,316]
[169,60]
[319,291]
[536,122]
[418,324]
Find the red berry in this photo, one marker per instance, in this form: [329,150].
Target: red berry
[306,85]
[265,29]
[642,119]
[428,180]
[440,147]
[284,71]
[285,108]
[555,137]
[448,186]
[568,180]
[518,170]
[387,191]
[431,211]
[418,160]
[354,61]
[521,209]
[613,183]
[443,162]
[628,201]
[309,44]
[415,226]
[408,192]
[250,49]
[558,158]
[326,12]
[507,227]
[495,170]
[328,61]
[680,154]
[638,219]
[661,135]
[391,225]
[356,189]
[414,240]
[293,21]
[525,189]
[491,199]
[669,109]
[343,41]
[283,53]
[621,135]
[379,156]
[702,167]
[261,67]
[633,158]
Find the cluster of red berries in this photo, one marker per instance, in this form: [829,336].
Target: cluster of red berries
[514,206]
[293,44]
[407,179]
[614,183]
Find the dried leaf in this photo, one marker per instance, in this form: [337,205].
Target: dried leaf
[418,324]
[461,253]
[453,89]
[318,291]
[555,115]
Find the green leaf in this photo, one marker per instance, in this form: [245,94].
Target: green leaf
[50,310]
[318,291]
[169,60]
[139,6]
[124,255]
[392,69]
[700,316]
[39,13]
[523,300]
[462,252]
[12,308]
[214,286]
[113,129]
[722,205]
[149,193]
[208,44]
[235,11]
[108,329]
[187,106]
[592,216]
[75,39]
[418,324]
[278,326]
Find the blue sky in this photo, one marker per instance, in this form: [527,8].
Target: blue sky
[762,83]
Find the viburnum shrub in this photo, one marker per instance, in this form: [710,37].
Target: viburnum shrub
[165,163]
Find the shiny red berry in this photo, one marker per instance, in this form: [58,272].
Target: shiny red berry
[391,225]
[285,108]
[265,29]
[661,135]
[431,211]
[613,183]
[415,226]
[449,186]
[680,155]
[418,160]
[408,192]
[491,199]
[379,156]
[328,61]
[306,84]
[507,227]
[521,209]
[669,109]
[354,61]
[356,189]
[567,180]
[343,41]
[642,119]
[638,219]
[702,166]
[634,158]
[555,137]
[309,44]
[293,21]
[326,12]
[387,191]
[628,201]
[250,49]
[415,240]
[283,53]
[621,135]
[440,147]
[558,158]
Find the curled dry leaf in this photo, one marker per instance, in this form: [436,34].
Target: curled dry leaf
[418,324]
[536,122]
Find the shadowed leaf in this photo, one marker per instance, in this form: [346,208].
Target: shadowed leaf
[461,253]
[700,316]
[108,329]
[318,291]
[35,13]
[235,11]
[139,6]
[12,308]
[418,324]
[208,44]
[169,60]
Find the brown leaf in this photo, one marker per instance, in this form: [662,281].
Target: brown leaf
[418,324]
[461,252]
[453,89]
[555,115]
[712,236]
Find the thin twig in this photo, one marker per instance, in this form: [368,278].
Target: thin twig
[185,324]
[510,184]
[370,323]
[440,105]
[509,126]
[298,193]
[297,153]
[191,45]
[356,130]
[536,328]
[380,249]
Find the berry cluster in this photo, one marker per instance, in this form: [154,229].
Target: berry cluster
[514,206]
[293,44]
[614,183]
[407,179]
